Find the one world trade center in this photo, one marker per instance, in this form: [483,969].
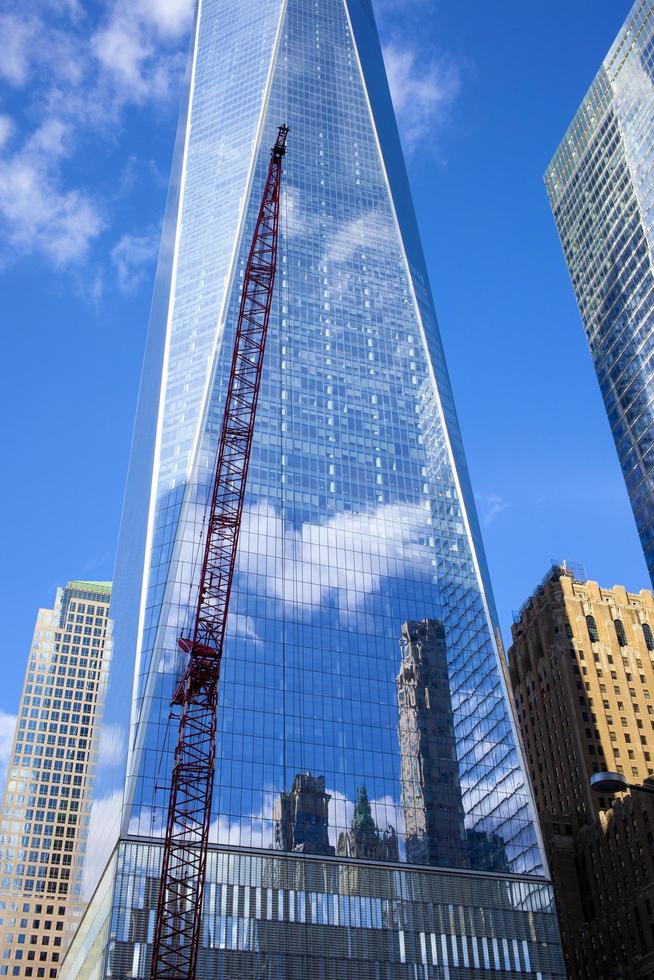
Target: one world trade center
[371,815]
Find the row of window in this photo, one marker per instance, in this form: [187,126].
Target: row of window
[620,633]
[29,972]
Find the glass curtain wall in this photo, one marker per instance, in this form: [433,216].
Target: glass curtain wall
[601,188]
[354,522]
[363,710]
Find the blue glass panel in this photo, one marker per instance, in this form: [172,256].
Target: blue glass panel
[363,708]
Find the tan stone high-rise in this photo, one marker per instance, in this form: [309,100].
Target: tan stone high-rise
[47,798]
[582,672]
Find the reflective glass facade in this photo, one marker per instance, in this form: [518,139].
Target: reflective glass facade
[363,709]
[295,918]
[601,188]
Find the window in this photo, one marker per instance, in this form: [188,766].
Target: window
[649,638]
[592,629]
[620,633]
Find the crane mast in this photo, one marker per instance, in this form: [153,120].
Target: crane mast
[178,922]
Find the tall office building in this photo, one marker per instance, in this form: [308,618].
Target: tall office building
[358,518]
[582,671]
[47,797]
[600,185]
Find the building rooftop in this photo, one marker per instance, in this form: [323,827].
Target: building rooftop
[90,586]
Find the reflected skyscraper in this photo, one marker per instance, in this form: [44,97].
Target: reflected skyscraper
[600,184]
[364,839]
[302,817]
[358,518]
[434,818]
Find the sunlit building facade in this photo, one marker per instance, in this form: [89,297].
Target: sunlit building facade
[582,672]
[359,518]
[46,803]
[600,185]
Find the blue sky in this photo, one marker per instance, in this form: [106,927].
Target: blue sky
[88,102]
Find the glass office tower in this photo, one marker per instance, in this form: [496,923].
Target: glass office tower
[358,520]
[601,189]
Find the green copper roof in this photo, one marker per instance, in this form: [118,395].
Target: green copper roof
[103,587]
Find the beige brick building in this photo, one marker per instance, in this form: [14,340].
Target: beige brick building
[582,672]
[47,796]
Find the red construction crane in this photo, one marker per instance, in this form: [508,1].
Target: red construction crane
[178,922]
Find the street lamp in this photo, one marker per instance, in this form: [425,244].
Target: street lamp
[615,782]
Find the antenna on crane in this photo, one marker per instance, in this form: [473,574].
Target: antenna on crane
[183,872]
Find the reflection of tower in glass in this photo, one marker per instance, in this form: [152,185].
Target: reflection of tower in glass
[364,839]
[431,794]
[302,816]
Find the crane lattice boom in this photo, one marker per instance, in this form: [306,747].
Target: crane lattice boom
[177,926]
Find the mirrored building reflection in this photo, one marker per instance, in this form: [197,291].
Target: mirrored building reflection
[358,518]
[302,817]
[364,839]
[434,818]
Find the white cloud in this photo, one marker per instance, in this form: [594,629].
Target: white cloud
[243,626]
[7,728]
[38,48]
[149,821]
[6,129]
[39,213]
[491,506]
[133,47]
[422,90]
[82,73]
[170,17]
[388,813]
[341,811]
[18,35]
[252,830]
[295,222]
[370,231]
[347,556]
[104,830]
[112,750]
[133,257]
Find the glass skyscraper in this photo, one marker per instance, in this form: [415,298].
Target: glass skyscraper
[359,521]
[601,189]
